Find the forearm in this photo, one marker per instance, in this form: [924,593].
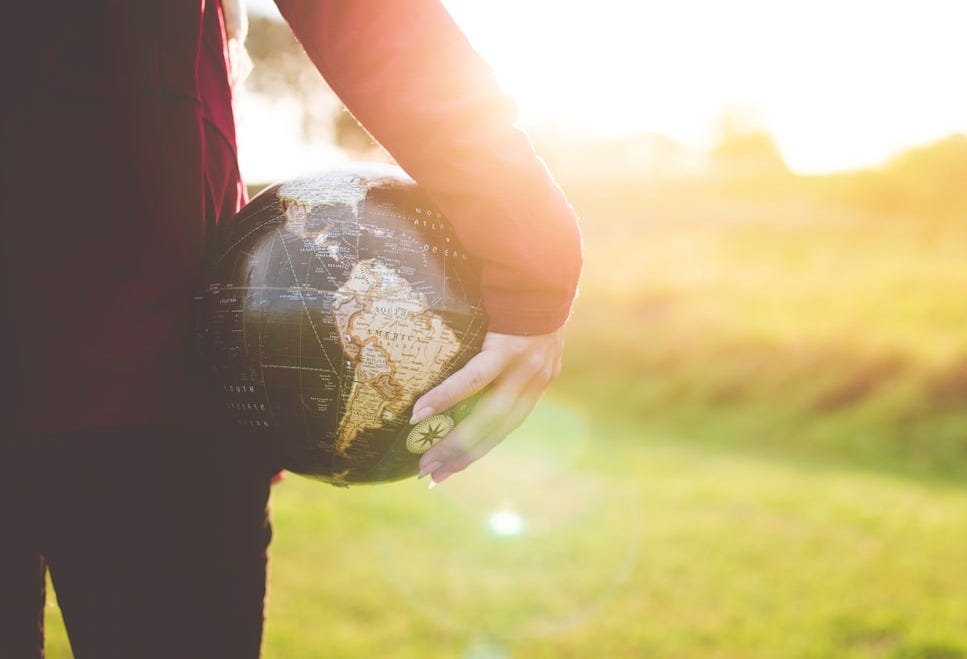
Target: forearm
[409,75]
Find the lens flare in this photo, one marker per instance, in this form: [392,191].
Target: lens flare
[530,541]
[505,523]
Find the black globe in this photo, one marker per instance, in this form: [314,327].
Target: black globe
[331,303]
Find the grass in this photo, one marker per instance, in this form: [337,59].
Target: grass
[758,448]
[633,546]
[777,322]
[652,548]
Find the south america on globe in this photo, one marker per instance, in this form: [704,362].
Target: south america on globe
[331,303]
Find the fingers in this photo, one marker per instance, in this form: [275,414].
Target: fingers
[487,442]
[498,413]
[515,371]
[473,377]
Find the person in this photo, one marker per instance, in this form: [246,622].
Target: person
[117,162]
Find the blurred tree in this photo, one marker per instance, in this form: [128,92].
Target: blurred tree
[352,137]
[930,177]
[283,70]
[923,183]
[745,149]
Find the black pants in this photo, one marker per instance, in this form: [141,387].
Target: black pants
[156,542]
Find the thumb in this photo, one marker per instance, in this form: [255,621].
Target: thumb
[473,377]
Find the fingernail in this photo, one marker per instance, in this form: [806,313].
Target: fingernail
[429,469]
[434,481]
[420,414]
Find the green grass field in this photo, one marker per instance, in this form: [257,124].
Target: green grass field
[694,553]
[758,448]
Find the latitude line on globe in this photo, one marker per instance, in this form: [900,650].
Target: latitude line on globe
[444,259]
[342,407]
[228,250]
[302,298]
[260,288]
[473,334]
[302,323]
[297,368]
[315,255]
[262,364]
[302,391]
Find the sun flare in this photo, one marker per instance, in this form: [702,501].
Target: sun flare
[839,84]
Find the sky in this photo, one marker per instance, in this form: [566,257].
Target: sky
[840,84]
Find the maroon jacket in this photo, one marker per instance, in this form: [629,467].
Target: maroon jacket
[117,157]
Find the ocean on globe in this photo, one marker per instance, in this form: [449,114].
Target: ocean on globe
[331,303]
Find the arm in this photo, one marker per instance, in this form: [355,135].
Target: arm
[408,74]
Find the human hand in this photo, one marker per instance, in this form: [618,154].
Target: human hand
[515,370]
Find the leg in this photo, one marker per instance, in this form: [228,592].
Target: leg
[22,570]
[159,550]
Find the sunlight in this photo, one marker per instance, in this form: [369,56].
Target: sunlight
[840,84]
[505,523]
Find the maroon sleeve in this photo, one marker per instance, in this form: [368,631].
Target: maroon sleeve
[408,74]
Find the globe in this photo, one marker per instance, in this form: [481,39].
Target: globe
[331,303]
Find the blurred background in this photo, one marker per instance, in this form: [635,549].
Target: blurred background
[758,445]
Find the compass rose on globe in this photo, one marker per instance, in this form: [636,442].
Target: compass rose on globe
[428,432]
